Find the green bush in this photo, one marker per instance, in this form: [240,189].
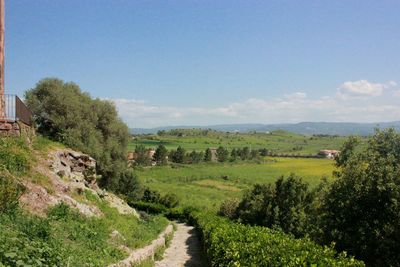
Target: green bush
[228,208]
[284,205]
[232,244]
[169,200]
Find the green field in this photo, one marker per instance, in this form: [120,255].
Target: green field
[276,141]
[206,185]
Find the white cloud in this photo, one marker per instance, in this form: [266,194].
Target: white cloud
[363,88]
[294,107]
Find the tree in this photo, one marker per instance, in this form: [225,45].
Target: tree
[361,210]
[142,158]
[195,157]
[347,151]
[64,113]
[208,155]
[129,185]
[234,154]
[222,154]
[179,156]
[161,155]
[284,205]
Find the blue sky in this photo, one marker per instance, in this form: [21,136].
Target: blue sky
[210,62]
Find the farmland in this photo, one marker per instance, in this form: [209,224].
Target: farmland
[205,185]
[276,142]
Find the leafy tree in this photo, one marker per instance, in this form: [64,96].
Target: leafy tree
[129,185]
[361,211]
[161,155]
[284,205]
[179,156]
[64,113]
[195,157]
[151,196]
[347,151]
[234,154]
[222,154]
[142,158]
[208,155]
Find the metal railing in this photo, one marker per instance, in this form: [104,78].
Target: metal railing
[16,110]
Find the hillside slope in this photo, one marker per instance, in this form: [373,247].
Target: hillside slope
[64,218]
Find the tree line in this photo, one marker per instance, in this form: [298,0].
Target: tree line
[163,156]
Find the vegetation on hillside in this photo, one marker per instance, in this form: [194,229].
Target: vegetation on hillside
[62,112]
[63,237]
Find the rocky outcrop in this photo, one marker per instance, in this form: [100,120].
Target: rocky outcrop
[76,167]
[69,173]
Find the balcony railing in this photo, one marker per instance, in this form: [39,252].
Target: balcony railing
[15,110]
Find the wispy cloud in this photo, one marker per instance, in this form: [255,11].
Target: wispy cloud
[360,101]
[364,88]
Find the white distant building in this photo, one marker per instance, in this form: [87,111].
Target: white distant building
[329,154]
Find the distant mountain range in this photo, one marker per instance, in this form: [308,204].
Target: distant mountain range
[306,128]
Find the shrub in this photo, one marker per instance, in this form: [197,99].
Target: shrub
[232,244]
[284,205]
[169,200]
[229,207]
[129,185]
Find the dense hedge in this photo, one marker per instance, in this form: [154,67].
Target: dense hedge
[232,244]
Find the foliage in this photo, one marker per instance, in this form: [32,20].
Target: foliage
[14,155]
[222,154]
[232,244]
[208,155]
[161,155]
[129,185]
[27,241]
[195,157]
[284,205]
[64,113]
[169,200]
[228,208]
[143,158]
[178,156]
[10,192]
[361,210]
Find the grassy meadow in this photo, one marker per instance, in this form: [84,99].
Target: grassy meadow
[276,141]
[206,185]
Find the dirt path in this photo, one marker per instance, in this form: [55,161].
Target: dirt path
[184,250]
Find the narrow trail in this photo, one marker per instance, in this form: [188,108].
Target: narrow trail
[185,249]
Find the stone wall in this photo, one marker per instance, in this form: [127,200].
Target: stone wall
[16,128]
